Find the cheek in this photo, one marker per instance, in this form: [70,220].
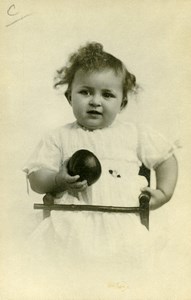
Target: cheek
[114,108]
[118,106]
[74,102]
[113,112]
[78,110]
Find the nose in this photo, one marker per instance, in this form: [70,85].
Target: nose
[95,100]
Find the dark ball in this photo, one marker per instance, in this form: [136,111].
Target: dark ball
[85,164]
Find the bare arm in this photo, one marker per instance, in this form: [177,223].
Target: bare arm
[166,178]
[43,181]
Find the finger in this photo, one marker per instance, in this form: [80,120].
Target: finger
[68,177]
[71,179]
[83,182]
[77,188]
[147,189]
[79,184]
[83,188]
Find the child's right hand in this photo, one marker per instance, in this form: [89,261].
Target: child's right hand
[66,182]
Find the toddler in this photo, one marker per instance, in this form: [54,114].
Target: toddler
[98,85]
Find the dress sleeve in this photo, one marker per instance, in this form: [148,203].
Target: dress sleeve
[46,155]
[153,148]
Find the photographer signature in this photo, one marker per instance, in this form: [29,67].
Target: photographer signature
[122,286]
[12,13]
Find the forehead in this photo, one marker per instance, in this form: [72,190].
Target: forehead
[106,78]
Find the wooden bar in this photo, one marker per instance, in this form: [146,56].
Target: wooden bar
[144,200]
[98,208]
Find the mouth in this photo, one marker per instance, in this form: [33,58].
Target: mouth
[94,112]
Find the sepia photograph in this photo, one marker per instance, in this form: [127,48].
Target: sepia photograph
[95,150]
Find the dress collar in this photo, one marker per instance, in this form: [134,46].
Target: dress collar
[95,130]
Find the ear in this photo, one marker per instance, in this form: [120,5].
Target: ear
[124,103]
[68,96]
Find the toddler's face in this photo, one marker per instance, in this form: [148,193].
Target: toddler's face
[96,98]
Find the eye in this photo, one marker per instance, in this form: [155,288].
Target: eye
[108,95]
[85,92]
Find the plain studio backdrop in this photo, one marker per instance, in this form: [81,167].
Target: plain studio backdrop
[151,37]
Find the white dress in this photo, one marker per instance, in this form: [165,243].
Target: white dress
[82,236]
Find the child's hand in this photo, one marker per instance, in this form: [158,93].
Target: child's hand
[66,182]
[158,198]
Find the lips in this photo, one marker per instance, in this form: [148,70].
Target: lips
[94,112]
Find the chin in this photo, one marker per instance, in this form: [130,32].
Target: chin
[93,126]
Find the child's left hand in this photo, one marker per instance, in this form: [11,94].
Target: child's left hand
[158,198]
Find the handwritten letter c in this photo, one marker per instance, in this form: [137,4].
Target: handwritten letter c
[9,11]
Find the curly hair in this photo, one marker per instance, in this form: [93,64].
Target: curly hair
[92,57]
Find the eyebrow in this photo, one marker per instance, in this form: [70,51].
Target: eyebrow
[108,91]
[86,87]
[103,90]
